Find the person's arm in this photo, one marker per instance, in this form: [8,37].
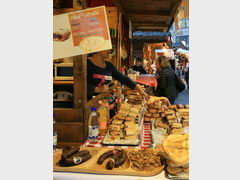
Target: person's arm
[127,81]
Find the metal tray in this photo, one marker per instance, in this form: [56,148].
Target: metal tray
[183,176]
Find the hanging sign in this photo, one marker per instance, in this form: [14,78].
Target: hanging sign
[80,32]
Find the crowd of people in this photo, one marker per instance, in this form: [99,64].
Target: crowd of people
[164,68]
[101,72]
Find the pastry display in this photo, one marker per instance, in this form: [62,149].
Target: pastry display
[133,96]
[71,156]
[157,107]
[176,149]
[115,161]
[125,126]
[144,160]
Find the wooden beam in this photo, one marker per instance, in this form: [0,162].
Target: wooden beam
[173,12]
[78,81]
[159,24]
[150,28]
[149,13]
[118,4]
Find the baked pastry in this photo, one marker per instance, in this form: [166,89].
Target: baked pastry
[133,114]
[176,148]
[176,125]
[129,123]
[123,112]
[169,112]
[163,115]
[120,116]
[125,106]
[130,131]
[180,106]
[186,106]
[174,170]
[133,137]
[118,122]
[152,119]
[171,117]
[155,115]
[152,110]
[186,170]
[161,125]
[115,127]
[170,121]
[130,118]
[134,110]
[146,119]
[177,131]
[157,104]
[147,114]
[158,119]
[160,110]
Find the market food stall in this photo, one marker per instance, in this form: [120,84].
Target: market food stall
[144,138]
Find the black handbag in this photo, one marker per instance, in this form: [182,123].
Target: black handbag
[179,83]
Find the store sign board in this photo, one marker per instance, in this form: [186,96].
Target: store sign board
[80,32]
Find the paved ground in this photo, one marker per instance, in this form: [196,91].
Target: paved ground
[183,97]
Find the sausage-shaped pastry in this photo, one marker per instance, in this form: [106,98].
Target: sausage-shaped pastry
[120,159]
[111,163]
[69,151]
[75,160]
[106,155]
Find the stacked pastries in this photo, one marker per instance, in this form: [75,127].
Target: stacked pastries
[176,151]
[133,96]
[124,125]
[156,108]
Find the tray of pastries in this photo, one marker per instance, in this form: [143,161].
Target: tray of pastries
[175,149]
[125,126]
[116,161]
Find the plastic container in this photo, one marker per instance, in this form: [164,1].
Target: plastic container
[93,125]
[103,115]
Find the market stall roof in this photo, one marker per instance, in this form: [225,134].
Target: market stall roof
[150,35]
[149,14]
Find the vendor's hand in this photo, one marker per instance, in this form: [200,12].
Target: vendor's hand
[142,93]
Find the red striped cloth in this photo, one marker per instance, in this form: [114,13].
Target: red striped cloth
[145,143]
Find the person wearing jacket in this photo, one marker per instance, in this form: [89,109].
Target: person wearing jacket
[166,80]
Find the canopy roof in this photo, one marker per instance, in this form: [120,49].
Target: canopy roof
[149,14]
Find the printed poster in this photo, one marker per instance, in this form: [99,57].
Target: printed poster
[80,32]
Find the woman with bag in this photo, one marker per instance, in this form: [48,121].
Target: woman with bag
[166,79]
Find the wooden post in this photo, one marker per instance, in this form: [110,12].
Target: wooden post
[84,99]
[119,40]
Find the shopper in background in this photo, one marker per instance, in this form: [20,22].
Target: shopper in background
[139,66]
[166,80]
[186,68]
[148,67]
[101,72]
[153,66]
